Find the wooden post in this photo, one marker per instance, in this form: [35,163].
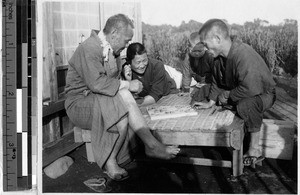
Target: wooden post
[237,162]
[237,154]
[51,65]
[51,59]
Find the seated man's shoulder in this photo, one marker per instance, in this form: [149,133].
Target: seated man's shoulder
[241,49]
[91,46]
[245,53]
[155,62]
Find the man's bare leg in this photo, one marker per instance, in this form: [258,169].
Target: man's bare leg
[111,166]
[153,147]
[254,149]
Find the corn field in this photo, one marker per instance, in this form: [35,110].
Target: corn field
[278,45]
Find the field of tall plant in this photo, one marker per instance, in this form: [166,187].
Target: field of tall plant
[277,44]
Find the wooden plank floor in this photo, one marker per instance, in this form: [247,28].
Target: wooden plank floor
[284,108]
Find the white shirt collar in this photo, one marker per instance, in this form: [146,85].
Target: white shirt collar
[106,46]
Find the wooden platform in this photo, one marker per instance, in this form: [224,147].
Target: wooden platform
[285,108]
[209,128]
[212,127]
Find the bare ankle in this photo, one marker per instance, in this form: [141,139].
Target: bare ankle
[111,162]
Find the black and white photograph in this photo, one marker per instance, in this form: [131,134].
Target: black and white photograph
[149,96]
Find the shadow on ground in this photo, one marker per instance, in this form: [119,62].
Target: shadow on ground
[275,176]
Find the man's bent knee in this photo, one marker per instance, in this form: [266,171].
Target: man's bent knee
[250,110]
[127,96]
[122,125]
[250,106]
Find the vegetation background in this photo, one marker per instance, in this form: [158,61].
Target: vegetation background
[277,44]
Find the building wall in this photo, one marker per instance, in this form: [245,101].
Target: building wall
[73,22]
[67,24]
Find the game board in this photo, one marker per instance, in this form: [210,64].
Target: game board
[163,112]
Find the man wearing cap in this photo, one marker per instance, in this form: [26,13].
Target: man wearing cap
[244,82]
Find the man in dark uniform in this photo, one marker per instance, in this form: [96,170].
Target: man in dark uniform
[244,81]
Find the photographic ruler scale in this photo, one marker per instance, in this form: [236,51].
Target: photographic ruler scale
[19,93]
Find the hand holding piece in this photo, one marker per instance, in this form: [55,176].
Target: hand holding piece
[223,98]
[202,105]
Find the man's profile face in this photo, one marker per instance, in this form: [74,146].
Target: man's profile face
[122,38]
[212,43]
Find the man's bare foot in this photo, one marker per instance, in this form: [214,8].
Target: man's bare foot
[253,157]
[162,151]
[253,152]
[113,170]
[254,148]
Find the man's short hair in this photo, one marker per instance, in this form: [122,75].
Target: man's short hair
[118,22]
[214,24]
